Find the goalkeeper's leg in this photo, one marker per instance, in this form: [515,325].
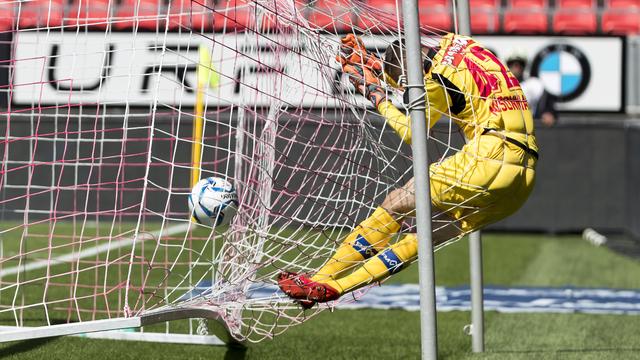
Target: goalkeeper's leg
[365,242]
[374,233]
[387,262]
[371,235]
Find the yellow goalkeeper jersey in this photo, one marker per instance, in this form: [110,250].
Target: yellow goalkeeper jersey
[469,84]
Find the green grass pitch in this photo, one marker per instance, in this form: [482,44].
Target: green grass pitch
[533,260]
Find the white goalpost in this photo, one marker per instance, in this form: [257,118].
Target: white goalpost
[115,109]
[476,328]
[418,107]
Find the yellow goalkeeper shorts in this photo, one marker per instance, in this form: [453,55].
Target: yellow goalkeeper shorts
[486,181]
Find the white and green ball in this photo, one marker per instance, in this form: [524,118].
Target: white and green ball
[213,201]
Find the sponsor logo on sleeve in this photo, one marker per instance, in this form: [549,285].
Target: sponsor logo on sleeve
[391,261]
[363,247]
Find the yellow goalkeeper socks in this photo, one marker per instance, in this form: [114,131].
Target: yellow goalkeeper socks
[365,241]
[388,262]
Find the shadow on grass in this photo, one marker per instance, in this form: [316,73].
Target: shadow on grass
[235,353]
[24,346]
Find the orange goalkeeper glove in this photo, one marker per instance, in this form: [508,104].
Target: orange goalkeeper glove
[352,51]
[366,83]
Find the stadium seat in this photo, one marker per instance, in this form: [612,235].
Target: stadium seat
[576,4]
[484,21]
[129,13]
[232,15]
[526,17]
[482,3]
[385,18]
[621,17]
[526,21]
[92,13]
[528,4]
[484,16]
[433,3]
[194,15]
[575,21]
[6,17]
[41,13]
[330,15]
[623,4]
[621,22]
[435,15]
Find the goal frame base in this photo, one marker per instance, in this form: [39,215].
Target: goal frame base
[110,329]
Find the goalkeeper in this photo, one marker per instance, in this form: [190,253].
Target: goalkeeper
[486,181]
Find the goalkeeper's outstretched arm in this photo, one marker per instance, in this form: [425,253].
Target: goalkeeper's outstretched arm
[366,72]
[436,105]
[437,99]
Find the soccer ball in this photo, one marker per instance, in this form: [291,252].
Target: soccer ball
[213,201]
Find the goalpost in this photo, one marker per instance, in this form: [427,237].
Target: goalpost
[476,328]
[417,100]
[113,114]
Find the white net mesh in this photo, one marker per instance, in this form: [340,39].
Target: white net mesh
[97,147]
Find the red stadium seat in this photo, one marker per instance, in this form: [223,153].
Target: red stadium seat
[6,17]
[144,13]
[529,21]
[621,22]
[526,17]
[575,4]
[422,4]
[527,4]
[92,13]
[41,13]
[484,22]
[576,17]
[624,4]
[435,17]
[196,15]
[484,16]
[485,3]
[233,15]
[330,15]
[385,17]
[578,21]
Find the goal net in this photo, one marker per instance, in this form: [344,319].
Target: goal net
[105,105]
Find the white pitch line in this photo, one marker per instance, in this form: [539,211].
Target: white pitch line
[94,250]
[190,339]
[28,333]
[133,335]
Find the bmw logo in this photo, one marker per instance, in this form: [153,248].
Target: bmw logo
[563,69]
